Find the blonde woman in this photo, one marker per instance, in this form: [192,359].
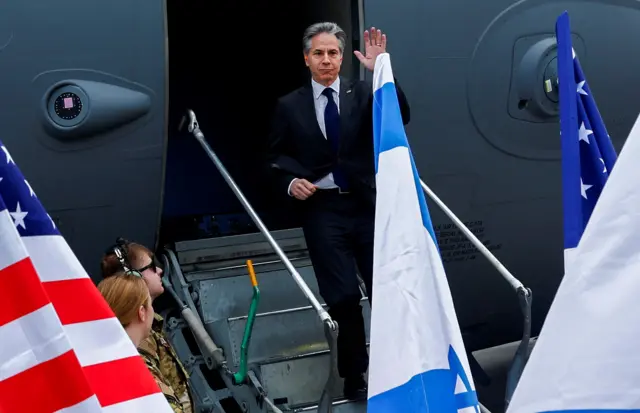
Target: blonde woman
[129,298]
[123,256]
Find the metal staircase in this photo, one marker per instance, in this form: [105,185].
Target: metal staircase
[289,339]
[289,353]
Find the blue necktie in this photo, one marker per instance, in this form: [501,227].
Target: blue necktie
[332,128]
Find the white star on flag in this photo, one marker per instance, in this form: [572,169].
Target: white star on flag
[583,133]
[580,87]
[583,189]
[18,217]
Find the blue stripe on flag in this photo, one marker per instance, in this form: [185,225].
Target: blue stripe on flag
[392,128]
[432,391]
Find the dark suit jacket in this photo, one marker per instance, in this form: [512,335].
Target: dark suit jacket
[298,149]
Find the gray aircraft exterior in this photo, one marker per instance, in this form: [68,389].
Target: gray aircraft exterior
[93,93]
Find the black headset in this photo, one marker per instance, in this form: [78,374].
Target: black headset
[121,251]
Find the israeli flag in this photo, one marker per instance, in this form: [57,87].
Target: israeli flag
[418,361]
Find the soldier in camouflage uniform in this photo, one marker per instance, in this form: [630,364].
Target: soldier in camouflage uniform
[163,362]
[160,357]
[170,388]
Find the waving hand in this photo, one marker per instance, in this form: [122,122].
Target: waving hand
[375,42]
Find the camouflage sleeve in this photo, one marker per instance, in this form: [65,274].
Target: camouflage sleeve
[175,406]
[166,389]
[151,343]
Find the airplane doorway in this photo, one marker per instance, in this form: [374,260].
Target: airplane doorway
[229,64]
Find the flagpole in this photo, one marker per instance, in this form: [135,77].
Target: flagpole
[515,283]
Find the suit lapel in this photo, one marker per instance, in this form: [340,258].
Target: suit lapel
[346,106]
[308,113]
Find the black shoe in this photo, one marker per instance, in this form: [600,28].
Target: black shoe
[355,388]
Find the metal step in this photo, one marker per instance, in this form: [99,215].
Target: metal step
[285,334]
[215,253]
[300,380]
[339,406]
[216,268]
[226,297]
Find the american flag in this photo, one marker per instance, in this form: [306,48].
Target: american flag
[61,347]
[588,156]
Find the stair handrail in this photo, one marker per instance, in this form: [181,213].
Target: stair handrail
[515,283]
[194,128]
[524,295]
[213,355]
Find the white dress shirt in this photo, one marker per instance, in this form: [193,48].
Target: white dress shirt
[320,103]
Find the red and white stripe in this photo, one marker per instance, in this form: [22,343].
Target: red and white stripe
[61,347]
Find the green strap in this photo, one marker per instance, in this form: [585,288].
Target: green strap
[241,375]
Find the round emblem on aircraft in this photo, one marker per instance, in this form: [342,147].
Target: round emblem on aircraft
[67,105]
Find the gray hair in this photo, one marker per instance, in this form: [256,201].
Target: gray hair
[324,27]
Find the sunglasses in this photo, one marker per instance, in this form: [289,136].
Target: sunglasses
[153,265]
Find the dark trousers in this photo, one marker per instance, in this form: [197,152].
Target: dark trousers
[338,229]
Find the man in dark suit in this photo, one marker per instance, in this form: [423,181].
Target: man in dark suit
[321,153]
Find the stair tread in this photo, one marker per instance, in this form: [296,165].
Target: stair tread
[339,406]
[283,335]
[300,381]
[229,297]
